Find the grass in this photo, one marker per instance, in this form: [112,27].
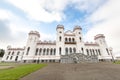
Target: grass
[117,62]
[19,71]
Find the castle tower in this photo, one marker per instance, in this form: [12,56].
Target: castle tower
[31,45]
[60,40]
[105,53]
[79,39]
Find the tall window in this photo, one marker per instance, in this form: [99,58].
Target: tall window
[87,51]
[93,51]
[9,53]
[51,51]
[96,51]
[107,51]
[18,53]
[54,51]
[60,50]
[69,39]
[60,38]
[40,51]
[73,39]
[10,57]
[65,39]
[7,57]
[66,51]
[99,52]
[82,50]
[13,53]
[28,49]
[80,39]
[44,51]
[74,50]
[47,51]
[36,51]
[70,50]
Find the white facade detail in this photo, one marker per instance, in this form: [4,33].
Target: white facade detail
[67,42]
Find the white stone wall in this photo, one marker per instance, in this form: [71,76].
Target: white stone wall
[67,47]
[13,55]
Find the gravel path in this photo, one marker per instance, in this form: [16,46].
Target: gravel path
[84,71]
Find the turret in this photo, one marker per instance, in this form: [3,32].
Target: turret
[79,39]
[60,40]
[100,39]
[33,38]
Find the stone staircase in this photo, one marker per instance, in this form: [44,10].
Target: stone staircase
[78,58]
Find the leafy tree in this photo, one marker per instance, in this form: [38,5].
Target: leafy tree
[2,51]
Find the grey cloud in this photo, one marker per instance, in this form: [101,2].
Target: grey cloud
[5,32]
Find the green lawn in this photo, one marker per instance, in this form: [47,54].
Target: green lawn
[117,62]
[19,71]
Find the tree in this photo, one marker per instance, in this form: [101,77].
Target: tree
[2,52]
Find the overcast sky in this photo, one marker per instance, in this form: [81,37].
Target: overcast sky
[19,17]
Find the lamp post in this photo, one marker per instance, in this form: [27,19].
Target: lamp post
[111,54]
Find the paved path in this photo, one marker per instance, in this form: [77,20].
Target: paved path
[84,71]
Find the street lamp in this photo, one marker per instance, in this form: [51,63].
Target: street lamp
[111,50]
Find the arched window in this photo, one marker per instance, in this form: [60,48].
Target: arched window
[7,57]
[44,50]
[107,51]
[80,39]
[87,51]
[47,51]
[10,57]
[74,50]
[18,53]
[60,50]
[60,38]
[13,53]
[9,53]
[82,50]
[36,51]
[73,39]
[51,51]
[16,58]
[54,51]
[93,51]
[40,50]
[66,51]
[99,52]
[70,50]
[65,39]
[96,51]
[69,39]
[28,49]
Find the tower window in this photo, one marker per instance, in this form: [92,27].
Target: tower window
[36,51]
[28,49]
[80,39]
[60,38]
[99,52]
[60,32]
[60,50]
[107,51]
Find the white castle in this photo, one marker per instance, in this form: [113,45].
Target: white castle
[67,43]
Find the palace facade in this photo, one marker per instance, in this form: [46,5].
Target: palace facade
[67,43]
